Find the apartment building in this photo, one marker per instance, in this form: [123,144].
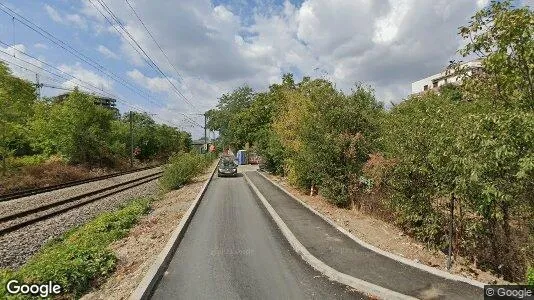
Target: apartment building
[446,76]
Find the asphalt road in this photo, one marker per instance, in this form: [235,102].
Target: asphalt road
[232,250]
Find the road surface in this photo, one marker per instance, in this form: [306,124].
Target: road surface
[232,250]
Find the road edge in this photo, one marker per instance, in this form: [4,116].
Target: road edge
[331,273]
[395,257]
[145,288]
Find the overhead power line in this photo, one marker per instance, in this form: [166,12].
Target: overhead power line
[86,85]
[152,62]
[91,88]
[154,39]
[134,107]
[65,46]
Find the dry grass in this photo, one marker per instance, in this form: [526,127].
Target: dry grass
[47,174]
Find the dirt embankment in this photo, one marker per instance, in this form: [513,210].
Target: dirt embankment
[386,236]
[139,249]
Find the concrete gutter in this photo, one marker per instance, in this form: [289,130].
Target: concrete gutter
[398,258]
[332,274]
[148,283]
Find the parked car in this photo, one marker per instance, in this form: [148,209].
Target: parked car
[227,167]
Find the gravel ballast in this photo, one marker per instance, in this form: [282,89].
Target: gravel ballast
[18,246]
[24,203]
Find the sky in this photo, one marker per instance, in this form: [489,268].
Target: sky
[213,47]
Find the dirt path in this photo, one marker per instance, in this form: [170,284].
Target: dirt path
[386,236]
[138,250]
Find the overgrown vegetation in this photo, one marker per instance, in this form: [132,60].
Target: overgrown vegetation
[79,257]
[469,146]
[76,129]
[183,167]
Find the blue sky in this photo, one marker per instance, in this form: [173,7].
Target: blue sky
[219,45]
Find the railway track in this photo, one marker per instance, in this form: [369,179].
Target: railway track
[30,192]
[18,220]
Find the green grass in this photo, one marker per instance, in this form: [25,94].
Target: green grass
[81,255]
[530,276]
[26,161]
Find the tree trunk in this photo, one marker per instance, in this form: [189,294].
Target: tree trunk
[4,165]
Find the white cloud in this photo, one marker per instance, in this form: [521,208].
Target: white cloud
[40,46]
[482,3]
[54,15]
[216,48]
[66,19]
[155,84]
[95,80]
[106,52]
[19,64]
[387,26]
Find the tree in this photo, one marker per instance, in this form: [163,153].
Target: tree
[230,117]
[75,128]
[503,36]
[17,97]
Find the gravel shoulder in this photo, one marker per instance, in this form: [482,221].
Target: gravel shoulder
[139,249]
[386,236]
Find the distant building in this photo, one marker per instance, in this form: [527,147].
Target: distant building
[444,77]
[200,145]
[102,101]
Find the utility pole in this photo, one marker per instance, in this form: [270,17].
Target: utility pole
[131,140]
[451,233]
[205,134]
[38,86]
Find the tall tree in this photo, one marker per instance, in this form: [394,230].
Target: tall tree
[17,97]
[503,36]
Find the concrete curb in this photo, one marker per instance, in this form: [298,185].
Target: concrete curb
[398,258]
[156,271]
[332,274]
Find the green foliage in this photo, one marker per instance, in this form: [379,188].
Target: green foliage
[326,135]
[81,255]
[232,118]
[16,101]
[75,127]
[153,140]
[182,168]
[28,160]
[470,145]
[530,276]
[504,37]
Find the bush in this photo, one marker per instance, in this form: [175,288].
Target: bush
[530,276]
[26,161]
[46,174]
[182,168]
[81,255]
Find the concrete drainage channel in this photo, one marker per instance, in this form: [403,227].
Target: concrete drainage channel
[150,280]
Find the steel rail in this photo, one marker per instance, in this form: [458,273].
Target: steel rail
[77,201]
[30,192]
